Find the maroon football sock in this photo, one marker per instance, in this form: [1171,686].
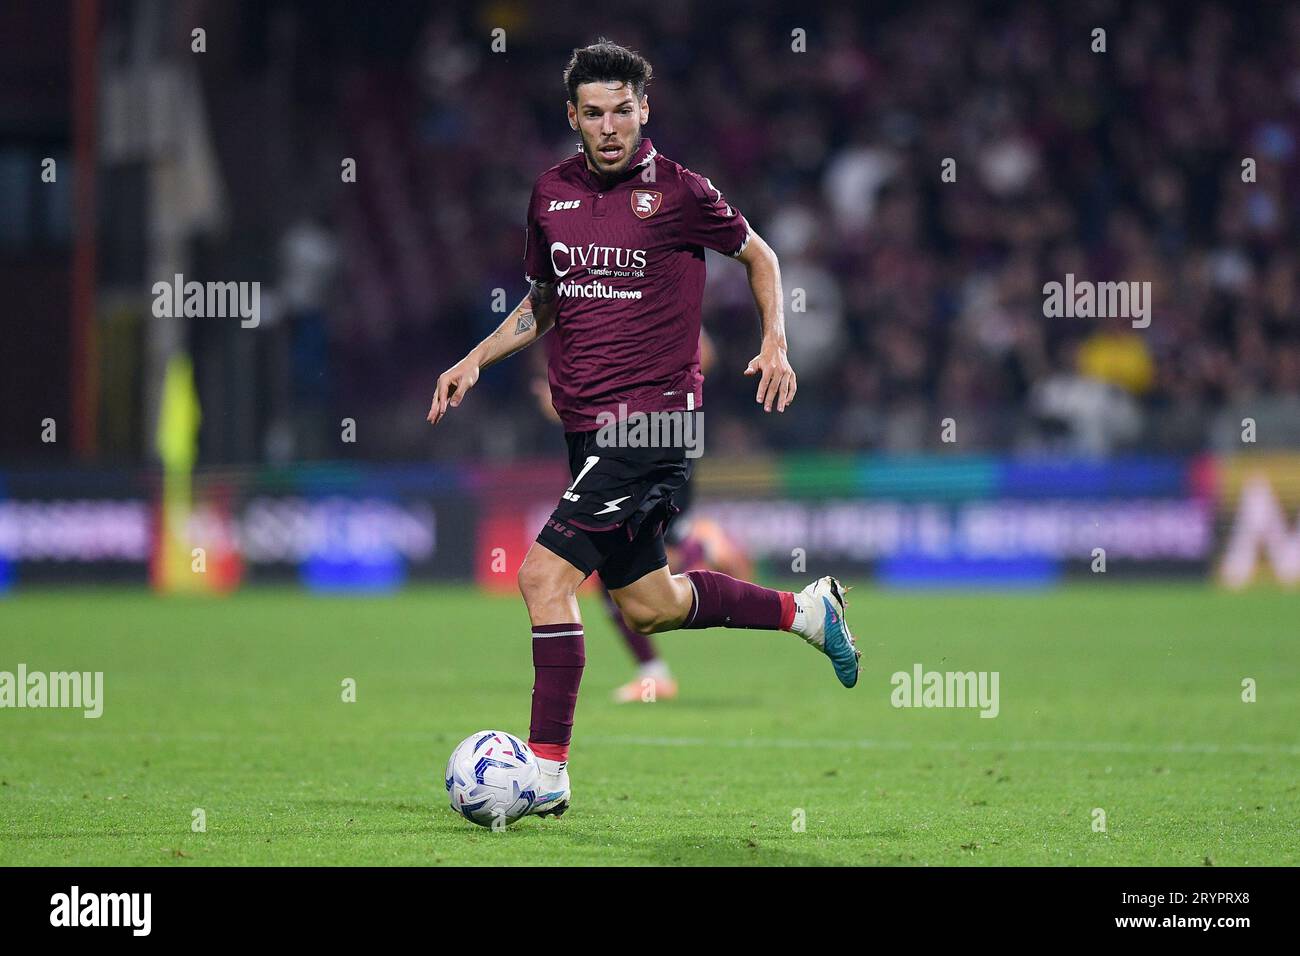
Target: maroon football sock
[558,659]
[723,601]
[642,648]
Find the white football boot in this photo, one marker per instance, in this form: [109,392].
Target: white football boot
[553,791]
[819,620]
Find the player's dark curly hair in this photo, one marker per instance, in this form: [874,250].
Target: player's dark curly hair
[603,61]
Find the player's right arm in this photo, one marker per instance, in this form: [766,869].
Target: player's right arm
[529,321]
[525,325]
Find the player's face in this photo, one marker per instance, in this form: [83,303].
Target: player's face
[609,116]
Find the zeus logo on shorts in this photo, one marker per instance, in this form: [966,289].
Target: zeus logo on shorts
[562,529]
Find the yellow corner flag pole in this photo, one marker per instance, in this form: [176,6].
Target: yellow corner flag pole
[177,445]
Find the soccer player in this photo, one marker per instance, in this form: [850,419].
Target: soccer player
[614,253]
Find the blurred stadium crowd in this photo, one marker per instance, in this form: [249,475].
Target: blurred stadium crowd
[924,297]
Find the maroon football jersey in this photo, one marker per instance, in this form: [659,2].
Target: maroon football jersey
[627,260]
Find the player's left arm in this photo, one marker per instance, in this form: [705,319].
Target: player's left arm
[776,378]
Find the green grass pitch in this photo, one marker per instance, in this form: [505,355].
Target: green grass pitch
[1126,699]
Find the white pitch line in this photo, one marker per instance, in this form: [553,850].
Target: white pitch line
[748,743]
[1100,747]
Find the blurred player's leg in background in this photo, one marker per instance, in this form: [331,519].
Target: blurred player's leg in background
[653,679]
[693,544]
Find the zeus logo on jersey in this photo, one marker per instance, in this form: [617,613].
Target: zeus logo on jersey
[564,258]
[563,204]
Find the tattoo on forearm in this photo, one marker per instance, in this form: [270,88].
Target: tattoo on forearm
[526,321]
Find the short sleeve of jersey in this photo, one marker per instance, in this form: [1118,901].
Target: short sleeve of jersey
[710,220]
[537,259]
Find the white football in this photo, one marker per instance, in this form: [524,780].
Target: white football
[492,778]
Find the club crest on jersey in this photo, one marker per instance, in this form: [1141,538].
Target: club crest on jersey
[646,202]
